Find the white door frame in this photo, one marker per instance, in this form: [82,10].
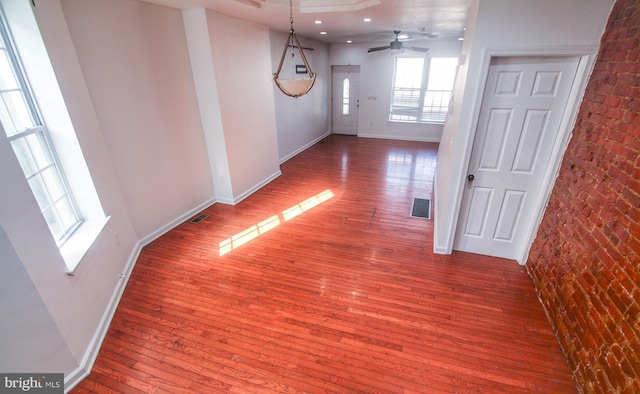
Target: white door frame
[587,56]
[355,103]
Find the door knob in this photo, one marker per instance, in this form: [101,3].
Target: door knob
[470,177]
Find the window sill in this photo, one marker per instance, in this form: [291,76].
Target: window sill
[77,246]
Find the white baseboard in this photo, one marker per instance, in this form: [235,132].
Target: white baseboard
[89,358]
[396,137]
[256,187]
[305,147]
[90,355]
[175,222]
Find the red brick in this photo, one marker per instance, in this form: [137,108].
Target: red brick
[632,387]
[586,255]
[615,375]
[634,362]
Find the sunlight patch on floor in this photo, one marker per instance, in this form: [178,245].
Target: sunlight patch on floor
[306,205]
[249,234]
[274,221]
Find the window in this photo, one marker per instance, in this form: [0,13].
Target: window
[422,90]
[32,145]
[61,182]
[345,96]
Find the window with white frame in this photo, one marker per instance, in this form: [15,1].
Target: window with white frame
[422,89]
[31,143]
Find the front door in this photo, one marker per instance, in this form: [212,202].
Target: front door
[522,109]
[345,99]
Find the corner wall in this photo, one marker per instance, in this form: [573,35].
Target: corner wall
[513,28]
[304,120]
[246,101]
[585,260]
[135,62]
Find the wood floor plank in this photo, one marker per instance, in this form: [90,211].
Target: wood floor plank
[321,282]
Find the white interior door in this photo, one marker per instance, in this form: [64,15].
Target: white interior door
[345,99]
[522,109]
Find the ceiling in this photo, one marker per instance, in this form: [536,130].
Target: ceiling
[343,20]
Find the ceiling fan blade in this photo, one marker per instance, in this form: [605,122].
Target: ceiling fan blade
[417,49]
[305,48]
[378,49]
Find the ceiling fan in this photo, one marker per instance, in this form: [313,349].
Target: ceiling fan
[397,45]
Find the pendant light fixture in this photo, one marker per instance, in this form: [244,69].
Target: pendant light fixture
[294,87]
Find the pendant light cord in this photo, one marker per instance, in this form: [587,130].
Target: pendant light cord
[291,30]
[291,13]
[293,43]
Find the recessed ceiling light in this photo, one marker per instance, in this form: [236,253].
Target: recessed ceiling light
[318,22]
[461,39]
[323,32]
[367,19]
[349,41]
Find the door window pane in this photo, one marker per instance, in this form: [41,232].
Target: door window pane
[345,96]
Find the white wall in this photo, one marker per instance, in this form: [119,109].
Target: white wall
[499,28]
[242,63]
[74,306]
[136,64]
[376,77]
[304,120]
[26,326]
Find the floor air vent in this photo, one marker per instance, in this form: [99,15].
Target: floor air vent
[421,208]
[199,218]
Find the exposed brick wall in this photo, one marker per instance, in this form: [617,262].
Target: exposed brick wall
[585,260]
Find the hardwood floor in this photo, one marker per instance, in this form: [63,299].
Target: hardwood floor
[321,282]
